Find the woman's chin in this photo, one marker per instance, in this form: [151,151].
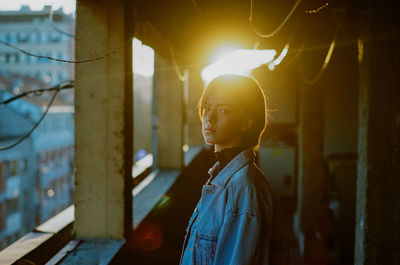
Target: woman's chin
[209,140]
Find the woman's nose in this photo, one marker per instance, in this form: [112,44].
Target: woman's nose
[210,115]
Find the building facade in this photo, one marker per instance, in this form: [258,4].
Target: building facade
[36,176]
[46,33]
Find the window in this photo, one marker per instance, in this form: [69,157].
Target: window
[12,205]
[14,170]
[24,165]
[11,58]
[27,58]
[54,156]
[23,37]
[38,37]
[143,71]
[55,37]
[3,176]
[3,215]
[59,76]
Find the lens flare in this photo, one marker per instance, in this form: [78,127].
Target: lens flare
[239,62]
[147,237]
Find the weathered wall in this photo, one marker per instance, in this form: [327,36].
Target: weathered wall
[168,100]
[103,122]
[378,182]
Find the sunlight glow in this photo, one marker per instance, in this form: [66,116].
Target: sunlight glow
[223,51]
[238,62]
[143,58]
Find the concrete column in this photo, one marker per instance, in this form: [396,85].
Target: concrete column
[103,122]
[310,209]
[378,180]
[168,97]
[196,87]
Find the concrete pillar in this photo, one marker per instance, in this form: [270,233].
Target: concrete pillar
[168,90]
[103,122]
[378,180]
[196,87]
[311,210]
[312,205]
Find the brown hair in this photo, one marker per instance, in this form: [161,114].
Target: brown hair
[252,103]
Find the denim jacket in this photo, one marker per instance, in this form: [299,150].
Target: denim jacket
[232,222]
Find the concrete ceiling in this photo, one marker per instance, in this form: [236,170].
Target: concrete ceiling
[194,28]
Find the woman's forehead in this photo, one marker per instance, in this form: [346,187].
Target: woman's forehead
[221,97]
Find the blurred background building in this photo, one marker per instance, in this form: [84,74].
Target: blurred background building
[46,33]
[36,176]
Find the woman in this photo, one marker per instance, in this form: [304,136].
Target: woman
[234,220]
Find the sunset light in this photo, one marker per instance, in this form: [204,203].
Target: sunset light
[238,62]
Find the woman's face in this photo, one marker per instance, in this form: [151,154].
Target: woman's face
[223,121]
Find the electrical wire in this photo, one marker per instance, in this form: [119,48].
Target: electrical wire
[67,61]
[298,52]
[328,56]
[68,85]
[322,69]
[316,10]
[34,126]
[278,28]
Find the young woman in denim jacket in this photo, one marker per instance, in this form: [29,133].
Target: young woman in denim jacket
[234,221]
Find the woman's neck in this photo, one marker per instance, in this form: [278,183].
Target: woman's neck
[227,154]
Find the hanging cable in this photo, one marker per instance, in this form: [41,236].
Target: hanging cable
[326,61]
[36,124]
[322,69]
[316,10]
[67,61]
[67,85]
[56,28]
[278,28]
[298,52]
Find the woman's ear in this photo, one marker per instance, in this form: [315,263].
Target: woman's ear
[246,125]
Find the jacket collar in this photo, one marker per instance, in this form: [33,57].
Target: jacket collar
[242,159]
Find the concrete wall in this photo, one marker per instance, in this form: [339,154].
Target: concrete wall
[103,122]
[169,110]
[378,182]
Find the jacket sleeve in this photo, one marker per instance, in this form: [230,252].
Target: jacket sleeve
[244,237]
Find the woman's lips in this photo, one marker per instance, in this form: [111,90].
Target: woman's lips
[209,130]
